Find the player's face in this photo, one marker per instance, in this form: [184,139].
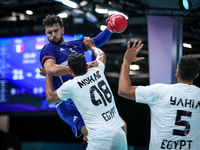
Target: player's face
[54,34]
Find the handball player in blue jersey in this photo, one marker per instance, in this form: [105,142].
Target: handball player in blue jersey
[54,59]
[94,94]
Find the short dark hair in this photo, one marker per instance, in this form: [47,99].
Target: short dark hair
[188,67]
[49,20]
[77,63]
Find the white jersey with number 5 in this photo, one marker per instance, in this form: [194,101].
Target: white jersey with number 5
[175,115]
[94,100]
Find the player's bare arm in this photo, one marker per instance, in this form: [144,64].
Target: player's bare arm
[92,64]
[98,53]
[51,95]
[63,70]
[52,69]
[125,89]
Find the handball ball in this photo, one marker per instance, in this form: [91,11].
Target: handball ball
[117,23]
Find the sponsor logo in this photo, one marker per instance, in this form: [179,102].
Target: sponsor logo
[62,49]
[75,117]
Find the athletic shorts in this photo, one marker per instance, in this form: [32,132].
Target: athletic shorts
[112,140]
[72,118]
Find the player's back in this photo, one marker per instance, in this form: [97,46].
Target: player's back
[95,101]
[176,118]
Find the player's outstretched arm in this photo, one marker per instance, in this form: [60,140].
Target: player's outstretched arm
[98,53]
[51,95]
[57,70]
[125,89]
[103,36]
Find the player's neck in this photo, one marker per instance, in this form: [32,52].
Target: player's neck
[184,81]
[78,75]
[62,43]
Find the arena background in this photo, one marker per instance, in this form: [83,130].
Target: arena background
[45,130]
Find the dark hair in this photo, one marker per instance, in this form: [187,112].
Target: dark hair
[189,67]
[77,63]
[51,19]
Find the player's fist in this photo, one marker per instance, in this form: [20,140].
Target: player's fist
[88,42]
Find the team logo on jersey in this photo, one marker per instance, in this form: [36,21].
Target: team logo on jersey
[62,49]
[75,117]
[72,50]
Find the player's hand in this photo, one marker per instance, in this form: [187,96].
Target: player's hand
[131,52]
[92,64]
[89,43]
[42,71]
[107,23]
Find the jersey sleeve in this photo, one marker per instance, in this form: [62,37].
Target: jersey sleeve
[101,66]
[148,94]
[99,40]
[102,38]
[80,46]
[65,91]
[47,52]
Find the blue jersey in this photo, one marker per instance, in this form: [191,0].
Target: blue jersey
[60,54]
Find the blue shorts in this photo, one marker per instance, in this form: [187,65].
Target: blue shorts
[72,118]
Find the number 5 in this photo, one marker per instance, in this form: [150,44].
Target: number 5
[180,122]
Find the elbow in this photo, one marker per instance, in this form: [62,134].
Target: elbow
[128,93]
[121,92]
[125,92]
[103,55]
[49,72]
[48,100]
[51,99]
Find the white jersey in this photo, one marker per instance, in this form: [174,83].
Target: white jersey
[94,100]
[175,115]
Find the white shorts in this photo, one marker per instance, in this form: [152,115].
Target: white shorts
[112,140]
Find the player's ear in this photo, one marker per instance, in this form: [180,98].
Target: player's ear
[70,71]
[197,75]
[87,66]
[177,73]
[63,30]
